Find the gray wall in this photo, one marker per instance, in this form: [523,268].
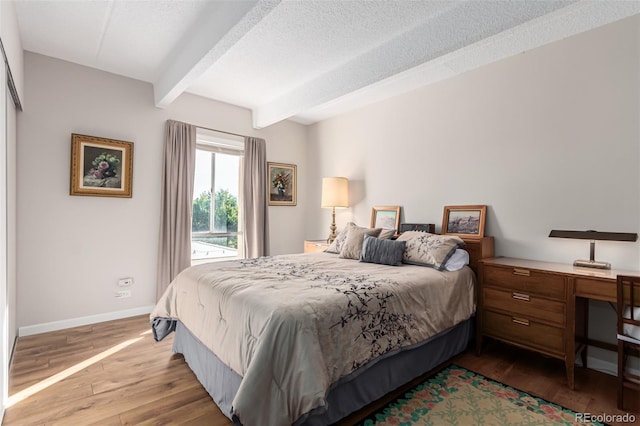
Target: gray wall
[548,139]
[72,249]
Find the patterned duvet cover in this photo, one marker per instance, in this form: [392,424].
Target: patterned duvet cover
[292,325]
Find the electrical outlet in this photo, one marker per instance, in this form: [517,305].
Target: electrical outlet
[121,294]
[125,282]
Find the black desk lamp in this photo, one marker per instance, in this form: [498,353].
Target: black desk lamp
[593,236]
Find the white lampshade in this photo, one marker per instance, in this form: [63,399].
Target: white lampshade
[335,192]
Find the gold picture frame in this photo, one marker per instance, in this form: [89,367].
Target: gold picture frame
[464,221]
[101,167]
[282,184]
[386,217]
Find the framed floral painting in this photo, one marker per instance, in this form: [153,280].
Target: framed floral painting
[282,184]
[101,167]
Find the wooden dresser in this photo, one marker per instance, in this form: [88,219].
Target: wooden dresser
[313,246]
[540,306]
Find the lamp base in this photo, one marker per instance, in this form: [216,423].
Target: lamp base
[592,264]
[332,227]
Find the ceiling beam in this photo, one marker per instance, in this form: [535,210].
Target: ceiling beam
[565,22]
[472,21]
[220,27]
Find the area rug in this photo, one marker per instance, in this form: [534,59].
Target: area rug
[456,396]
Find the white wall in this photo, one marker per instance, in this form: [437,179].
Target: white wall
[72,249]
[548,139]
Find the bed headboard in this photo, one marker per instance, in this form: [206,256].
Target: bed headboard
[481,248]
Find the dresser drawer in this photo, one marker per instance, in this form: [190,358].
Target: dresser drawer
[524,280]
[524,304]
[524,331]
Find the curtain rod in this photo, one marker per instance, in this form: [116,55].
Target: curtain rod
[220,131]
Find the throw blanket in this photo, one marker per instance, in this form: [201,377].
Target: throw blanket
[292,325]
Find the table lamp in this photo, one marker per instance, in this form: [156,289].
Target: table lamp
[335,193]
[593,236]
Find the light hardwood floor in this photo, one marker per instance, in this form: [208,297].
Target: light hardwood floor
[113,373]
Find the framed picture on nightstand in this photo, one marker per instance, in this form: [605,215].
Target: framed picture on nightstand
[385,217]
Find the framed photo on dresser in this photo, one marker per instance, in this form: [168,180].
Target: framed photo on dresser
[465,221]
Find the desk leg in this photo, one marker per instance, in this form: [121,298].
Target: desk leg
[570,366]
[582,327]
[570,336]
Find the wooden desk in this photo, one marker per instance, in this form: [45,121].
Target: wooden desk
[542,306]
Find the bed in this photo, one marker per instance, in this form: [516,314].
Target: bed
[310,338]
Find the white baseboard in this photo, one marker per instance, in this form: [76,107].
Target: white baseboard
[76,322]
[594,363]
[605,366]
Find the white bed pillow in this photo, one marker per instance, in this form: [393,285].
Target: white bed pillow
[457,261]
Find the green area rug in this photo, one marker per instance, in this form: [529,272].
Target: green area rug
[456,396]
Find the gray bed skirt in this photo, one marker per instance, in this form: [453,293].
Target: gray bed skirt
[348,394]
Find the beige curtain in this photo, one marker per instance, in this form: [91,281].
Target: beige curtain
[255,212]
[174,251]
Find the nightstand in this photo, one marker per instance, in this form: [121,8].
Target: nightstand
[314,246]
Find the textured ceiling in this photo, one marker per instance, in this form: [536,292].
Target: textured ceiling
[302,59]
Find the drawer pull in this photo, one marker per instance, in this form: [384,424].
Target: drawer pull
[520,321]
[523,272]
[520,296]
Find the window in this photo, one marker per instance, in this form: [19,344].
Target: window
[216,228]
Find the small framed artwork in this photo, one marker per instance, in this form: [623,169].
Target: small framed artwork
[465,221]
[101,167]
[385,217]
[282,184]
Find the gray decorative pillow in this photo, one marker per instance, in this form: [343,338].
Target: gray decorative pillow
[336,245]
[427,249]
[353,245]
[385,252]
